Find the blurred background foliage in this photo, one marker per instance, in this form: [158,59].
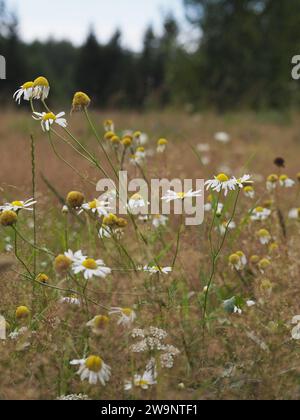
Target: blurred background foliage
[241,59]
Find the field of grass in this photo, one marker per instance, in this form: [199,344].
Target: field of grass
[235,349]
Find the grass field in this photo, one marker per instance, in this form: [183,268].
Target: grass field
[241,349]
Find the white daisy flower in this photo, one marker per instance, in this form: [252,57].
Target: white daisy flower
[221,183]
[286,182]
[250,303]
[272,181]
[264,236]
[249,192]
[157,270]
[93,369]
[19,205]
[173,196]
[109,126]
[260,214]
[127,316]
[159,220]
[98,324]
[137,202]
[238,260]
[26,90]
[91,268]
[294,214]
[225,226]
[47,119]
[41,88]
[141,381]
[222,137]
[71,300]
[75,257]
[96,206]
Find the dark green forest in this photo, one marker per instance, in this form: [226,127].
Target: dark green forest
[239,57]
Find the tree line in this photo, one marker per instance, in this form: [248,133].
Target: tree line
[241,57]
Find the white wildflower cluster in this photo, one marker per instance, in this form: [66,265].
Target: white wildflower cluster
[73,397]
[152,339]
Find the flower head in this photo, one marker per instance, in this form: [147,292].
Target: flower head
[62,263]
[260,214]
[91,268]
[100,207]
[41,88]
[93,369]
[75,199]
[26,90]
[222,137]
[127,316]
[286,182]
[98,324]
[19,205]
[159,220]
[157,270]
[141,381]
[48,118]
[161,145]
[174,196]
[80,102]
[22,312]
[8,218]
[264,236]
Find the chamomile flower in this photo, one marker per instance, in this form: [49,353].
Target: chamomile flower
[48,118]
[127,316]
[75,257]
[109,126]
[137,202]
[100,207]
[260,214]
[238,260]
[264,236]
[161,145]
[173,196]
[26,90]
[272,181]
[264,264]
[71,300]
[226,226]
[98,324]
[249,192]
[220,183]
[91,268]
[41,88]
[19,205]
[203,147]
[93,369]
[286,182]
[222,137]
[159,220]
[141,381]
[157,270]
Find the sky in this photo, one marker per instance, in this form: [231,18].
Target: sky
[71,19]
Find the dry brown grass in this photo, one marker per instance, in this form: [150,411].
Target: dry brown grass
[42,371]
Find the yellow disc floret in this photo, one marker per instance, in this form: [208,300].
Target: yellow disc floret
[62,263]
[75,199]
[222,178]
[41,81]
[22,312]
[8,218]
[80,101]
[90,264]
[94,363]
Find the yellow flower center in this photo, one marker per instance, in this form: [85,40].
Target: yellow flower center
[101,321]
[27,85]
[49,116]
[81,100]
[234,259]
[248,189]
[259,209]
[222,178]
[162,142]
[263,233]
[283,178]
[94,363]
[22,312]
[181,195]
[142,382]
[41,81]
[93,204]
[273,178]
[127,311]
[90,264]
[17,204]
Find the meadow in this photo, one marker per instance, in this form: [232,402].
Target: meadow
[205,312]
